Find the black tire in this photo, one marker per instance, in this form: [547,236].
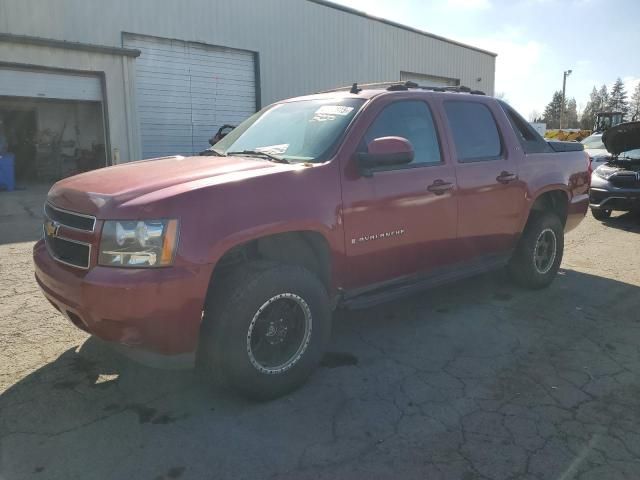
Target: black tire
[231,315]
[600,214]
[524,266]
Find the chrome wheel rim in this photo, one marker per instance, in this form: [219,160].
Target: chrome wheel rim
[279,333]
[544,252]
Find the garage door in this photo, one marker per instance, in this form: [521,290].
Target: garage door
[54,85]
[428,80]
[186,91]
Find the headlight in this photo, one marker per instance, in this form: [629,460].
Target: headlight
[138,243]
[603,171]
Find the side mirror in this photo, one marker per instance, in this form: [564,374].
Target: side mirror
[223,131]
[385,152]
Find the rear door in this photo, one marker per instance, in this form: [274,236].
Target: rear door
[396,222]
[490,195]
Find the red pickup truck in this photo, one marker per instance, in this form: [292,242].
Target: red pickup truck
[344,198]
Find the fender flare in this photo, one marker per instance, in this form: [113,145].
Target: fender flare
[242,237]
[532,199]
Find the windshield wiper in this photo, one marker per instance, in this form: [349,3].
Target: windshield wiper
[257,153]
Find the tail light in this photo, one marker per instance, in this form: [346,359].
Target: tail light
[589,168]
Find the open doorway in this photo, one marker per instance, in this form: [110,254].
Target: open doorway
[53,139]
[20,129]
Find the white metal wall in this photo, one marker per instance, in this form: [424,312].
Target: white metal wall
[428,80]
[303,47]
[186,91]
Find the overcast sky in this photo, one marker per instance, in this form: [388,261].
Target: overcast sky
[536,40]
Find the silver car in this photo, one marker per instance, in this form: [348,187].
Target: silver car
[596,150]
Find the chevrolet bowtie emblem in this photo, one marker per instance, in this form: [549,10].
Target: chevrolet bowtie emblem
[51,228]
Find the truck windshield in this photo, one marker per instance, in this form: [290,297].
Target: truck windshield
[299,131]
[593,142]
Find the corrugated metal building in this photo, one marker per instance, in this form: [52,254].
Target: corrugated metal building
[85,83]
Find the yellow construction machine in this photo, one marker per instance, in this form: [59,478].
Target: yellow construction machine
[604,120]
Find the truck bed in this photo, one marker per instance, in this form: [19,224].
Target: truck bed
[558,146]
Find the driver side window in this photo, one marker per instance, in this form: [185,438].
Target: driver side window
[411,120]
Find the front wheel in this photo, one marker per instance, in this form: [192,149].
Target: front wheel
[265,329]
[600,214]
[537,258]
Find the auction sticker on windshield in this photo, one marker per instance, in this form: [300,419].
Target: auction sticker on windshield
[274,149]
[329,112]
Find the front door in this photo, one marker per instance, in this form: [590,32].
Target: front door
[401,220]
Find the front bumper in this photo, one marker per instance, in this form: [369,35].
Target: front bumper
[605,196]
[158,310]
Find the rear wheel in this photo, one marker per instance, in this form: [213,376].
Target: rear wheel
[265,329]
[600,214]
[537,258]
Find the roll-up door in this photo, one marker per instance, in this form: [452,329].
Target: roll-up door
[185,91]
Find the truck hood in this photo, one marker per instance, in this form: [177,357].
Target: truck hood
[90,191]
[622,137]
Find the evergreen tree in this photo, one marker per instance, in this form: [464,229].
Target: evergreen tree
[571,114]
[603,99]
[552,111]
[634,109]
[618,98]
[589,113]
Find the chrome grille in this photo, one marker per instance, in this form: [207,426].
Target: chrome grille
[77,221]
[69,252]
[63,249]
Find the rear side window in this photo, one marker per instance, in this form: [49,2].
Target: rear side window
[528,137]
[413,121]
[474,130]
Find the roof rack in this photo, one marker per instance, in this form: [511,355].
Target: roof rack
[403,86]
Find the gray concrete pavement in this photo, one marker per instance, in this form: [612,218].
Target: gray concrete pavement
[475,380]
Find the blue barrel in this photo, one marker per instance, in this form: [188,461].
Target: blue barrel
[7,171]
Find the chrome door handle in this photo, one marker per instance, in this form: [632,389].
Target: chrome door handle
[439,187]
[506,177]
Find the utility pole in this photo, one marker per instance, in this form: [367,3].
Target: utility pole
[564,89]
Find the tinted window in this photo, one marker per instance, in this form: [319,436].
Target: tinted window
[413,121]
[474,130]
[528,137]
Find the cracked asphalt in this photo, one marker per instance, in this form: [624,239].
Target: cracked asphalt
[475,380]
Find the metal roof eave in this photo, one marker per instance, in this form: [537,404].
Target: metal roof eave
[360,13]
[85,47]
